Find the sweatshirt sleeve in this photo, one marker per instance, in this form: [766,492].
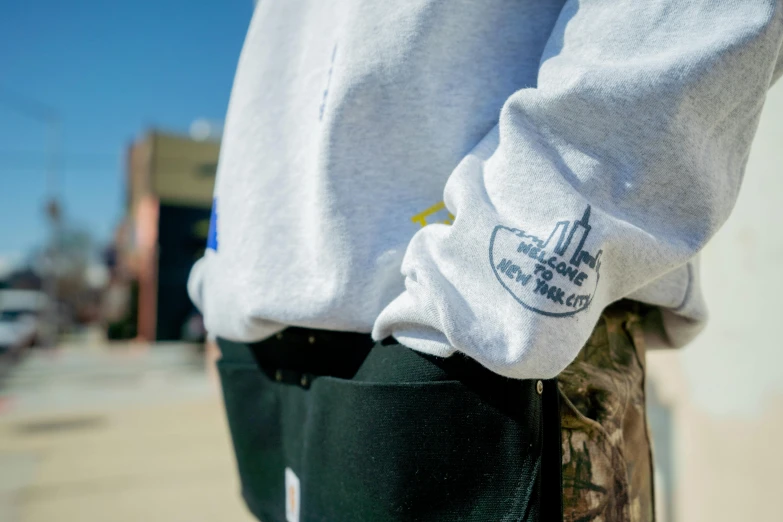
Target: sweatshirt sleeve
[613,171]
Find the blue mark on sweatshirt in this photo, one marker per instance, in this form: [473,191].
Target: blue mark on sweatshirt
[557,276]
[328,81]
[212,239]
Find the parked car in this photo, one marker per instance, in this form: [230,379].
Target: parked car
[20,319]
[18,330]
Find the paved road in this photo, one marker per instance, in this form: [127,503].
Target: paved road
[95,433]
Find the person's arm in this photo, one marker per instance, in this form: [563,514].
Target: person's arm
[612,172]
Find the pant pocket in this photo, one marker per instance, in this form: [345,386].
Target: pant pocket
[434,451]
[368,451]
[253,405]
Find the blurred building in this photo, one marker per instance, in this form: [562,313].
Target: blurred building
[170,179]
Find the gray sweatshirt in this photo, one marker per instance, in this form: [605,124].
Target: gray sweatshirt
[481,176]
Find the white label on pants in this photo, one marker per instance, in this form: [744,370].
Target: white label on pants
[291,496]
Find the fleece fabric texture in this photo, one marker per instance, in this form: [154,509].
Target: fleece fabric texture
[562,155]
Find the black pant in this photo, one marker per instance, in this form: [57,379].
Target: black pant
[379,432]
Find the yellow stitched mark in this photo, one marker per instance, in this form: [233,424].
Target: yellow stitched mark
[421,217]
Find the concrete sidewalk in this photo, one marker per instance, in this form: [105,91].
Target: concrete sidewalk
[162,456]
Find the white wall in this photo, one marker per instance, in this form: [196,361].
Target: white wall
[723,395]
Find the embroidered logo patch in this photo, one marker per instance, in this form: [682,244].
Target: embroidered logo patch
[555,276]
[291,496]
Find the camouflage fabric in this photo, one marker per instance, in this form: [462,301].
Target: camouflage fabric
[607,462]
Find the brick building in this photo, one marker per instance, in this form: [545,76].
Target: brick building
[170,179]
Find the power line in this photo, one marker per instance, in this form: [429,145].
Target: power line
[29,106]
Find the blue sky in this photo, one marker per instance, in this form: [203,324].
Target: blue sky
[112,69]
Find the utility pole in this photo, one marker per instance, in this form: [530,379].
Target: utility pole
[50,117]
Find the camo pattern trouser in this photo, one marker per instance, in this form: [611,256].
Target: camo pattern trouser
[607,462]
